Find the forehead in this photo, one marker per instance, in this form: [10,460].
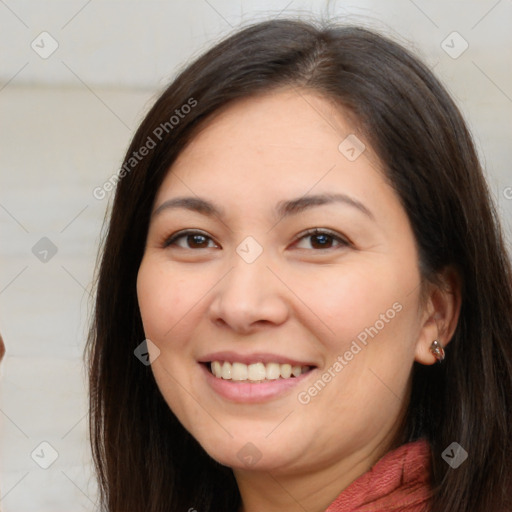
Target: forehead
[274,146]
[291,118]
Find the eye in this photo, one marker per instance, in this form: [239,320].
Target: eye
[190,240]
[320,239]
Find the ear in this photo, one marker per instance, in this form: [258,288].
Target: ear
[441,309]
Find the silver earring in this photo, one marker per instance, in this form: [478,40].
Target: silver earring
[437,349]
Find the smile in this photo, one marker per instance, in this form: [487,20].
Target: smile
[256,372]
[256,382]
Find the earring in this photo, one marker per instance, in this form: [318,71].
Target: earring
[437,349]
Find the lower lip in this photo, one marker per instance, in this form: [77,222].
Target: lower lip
[252,392]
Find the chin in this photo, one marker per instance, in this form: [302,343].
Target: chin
[243,454]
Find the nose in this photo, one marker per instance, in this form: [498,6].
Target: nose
[249,298]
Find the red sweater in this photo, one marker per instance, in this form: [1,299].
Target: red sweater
[398,482]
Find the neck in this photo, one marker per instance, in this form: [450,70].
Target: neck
[311,490]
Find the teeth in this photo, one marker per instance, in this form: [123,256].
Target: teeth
[239,371]
[225,371]
[286,371]
[255,372]
[273,371]
[217,368]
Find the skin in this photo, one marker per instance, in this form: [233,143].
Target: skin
[295,299]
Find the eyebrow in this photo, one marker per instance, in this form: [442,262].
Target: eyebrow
[294,206]
[283,208]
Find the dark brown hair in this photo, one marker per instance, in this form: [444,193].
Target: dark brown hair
[145,460]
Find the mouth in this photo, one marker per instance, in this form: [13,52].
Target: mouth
[236,371]
[254,378]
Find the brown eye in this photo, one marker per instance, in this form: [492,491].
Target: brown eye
[319,239]
[197,241]
[190,240]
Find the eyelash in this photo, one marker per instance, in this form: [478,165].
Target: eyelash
[308,233]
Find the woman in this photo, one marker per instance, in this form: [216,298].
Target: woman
[300,231]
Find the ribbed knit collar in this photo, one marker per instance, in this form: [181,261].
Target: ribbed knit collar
[398,482]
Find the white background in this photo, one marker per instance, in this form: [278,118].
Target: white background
[65,124]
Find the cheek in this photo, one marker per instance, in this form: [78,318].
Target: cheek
[166,302]
[353,298]
[372,315]
[161,297]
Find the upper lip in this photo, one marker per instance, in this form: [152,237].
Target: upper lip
[256,357]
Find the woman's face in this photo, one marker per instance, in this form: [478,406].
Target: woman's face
[278,257]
